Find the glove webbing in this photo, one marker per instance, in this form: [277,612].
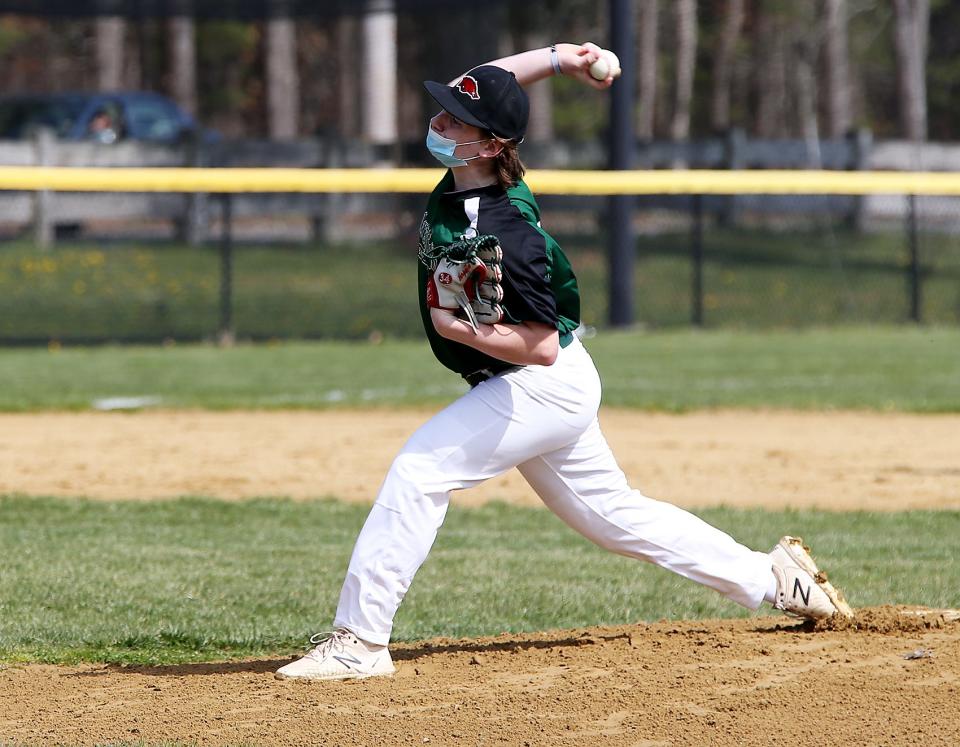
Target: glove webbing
[461,250]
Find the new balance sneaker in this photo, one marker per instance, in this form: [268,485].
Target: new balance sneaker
[339,655]
[802,589]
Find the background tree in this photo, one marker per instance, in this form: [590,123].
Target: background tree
[110,33]
[892,66]
[804,47]
[729,36]
[685,14]
[647,19]
[836,73]
[911,29]
[282,76]
[531,33]
[181,43]
[230,77]
[348,41]
[943,71]
[769,71]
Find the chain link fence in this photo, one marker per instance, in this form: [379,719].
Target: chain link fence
[749,261]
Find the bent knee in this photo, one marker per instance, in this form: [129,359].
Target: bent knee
[413,480]
[408,469]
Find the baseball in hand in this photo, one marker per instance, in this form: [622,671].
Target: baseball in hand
[600,68]
[607,64]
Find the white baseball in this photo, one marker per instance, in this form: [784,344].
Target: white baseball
[601,68]
[614,63]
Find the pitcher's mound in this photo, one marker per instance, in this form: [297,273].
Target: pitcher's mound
[890,676]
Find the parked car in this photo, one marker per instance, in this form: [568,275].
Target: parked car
[103,117]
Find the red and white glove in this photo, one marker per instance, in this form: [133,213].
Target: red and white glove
[486,306]
[467,277]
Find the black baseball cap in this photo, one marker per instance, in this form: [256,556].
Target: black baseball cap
[487,97]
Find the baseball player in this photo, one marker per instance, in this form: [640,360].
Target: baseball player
[500,306]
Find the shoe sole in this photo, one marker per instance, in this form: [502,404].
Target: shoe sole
[801,556]
[335,678]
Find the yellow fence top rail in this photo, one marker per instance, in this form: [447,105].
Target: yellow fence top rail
[423,180]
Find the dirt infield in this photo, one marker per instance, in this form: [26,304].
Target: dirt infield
[839,460]
[746,682]
[893,678]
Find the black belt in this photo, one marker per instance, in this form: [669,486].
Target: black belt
[478,377]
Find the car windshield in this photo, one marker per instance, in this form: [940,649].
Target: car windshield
[19,117]
[151,119]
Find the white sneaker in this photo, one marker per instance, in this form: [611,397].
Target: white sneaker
[802,589]
[340,655]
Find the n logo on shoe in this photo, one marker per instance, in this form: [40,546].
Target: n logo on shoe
[798,589]
[347,660]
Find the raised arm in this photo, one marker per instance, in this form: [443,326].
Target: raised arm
[574,60]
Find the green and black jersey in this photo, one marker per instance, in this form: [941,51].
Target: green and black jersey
[538,282]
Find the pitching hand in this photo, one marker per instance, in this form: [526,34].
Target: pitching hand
[577,62]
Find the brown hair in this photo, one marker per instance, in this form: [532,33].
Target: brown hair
[509,167]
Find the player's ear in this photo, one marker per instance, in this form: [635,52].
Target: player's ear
[492,148]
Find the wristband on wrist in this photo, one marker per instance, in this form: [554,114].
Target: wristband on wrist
[555,60]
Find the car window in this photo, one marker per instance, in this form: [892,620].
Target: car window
[152,120]
[106,123]
[19,118]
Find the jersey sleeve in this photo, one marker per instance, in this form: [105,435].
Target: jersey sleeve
[528,295]
[527,291]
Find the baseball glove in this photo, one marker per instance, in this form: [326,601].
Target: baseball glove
[466,275]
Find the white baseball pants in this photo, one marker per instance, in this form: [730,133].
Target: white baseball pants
[542,420]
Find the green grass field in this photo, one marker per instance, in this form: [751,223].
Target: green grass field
[202,579]
[895,368]
[753,278]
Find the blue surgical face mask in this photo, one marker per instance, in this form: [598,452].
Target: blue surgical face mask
[442,148]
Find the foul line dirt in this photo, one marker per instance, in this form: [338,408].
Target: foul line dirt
[774,459]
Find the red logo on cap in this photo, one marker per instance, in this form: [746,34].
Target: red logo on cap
[468,85]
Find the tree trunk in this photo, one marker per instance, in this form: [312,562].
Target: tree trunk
[647,62]
[379,75]
[183,62]
[837,61]
[540,129]
[723,66]
[348,42]
[912,21]
[771,78]
[110,42]
[686,57]
[806,105]
[283,80]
